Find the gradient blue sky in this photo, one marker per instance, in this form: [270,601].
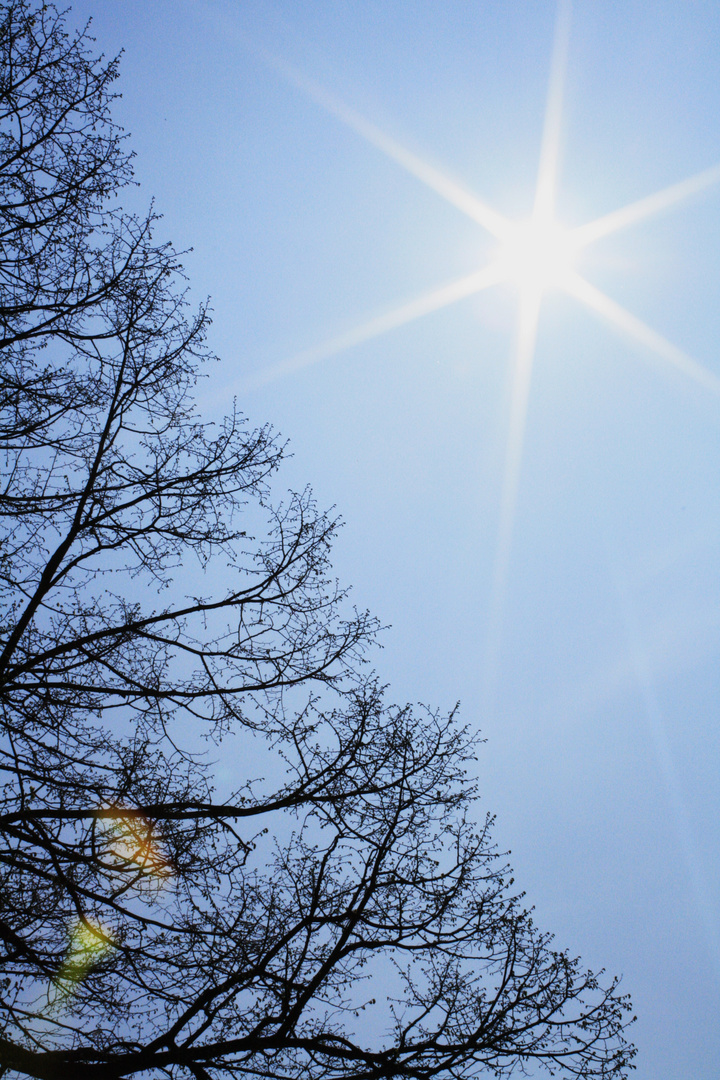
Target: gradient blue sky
[596,679]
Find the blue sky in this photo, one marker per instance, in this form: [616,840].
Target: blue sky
[591,666]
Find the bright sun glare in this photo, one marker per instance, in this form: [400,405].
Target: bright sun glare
[537,255]
[534,255]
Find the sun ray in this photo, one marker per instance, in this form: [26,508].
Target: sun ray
[550,146]
[531,290]
[647,207]
[492,221]
[617,315]
[400,316]
[522,375]
[645,678]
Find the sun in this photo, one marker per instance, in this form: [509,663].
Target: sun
[533,256]
[537,255]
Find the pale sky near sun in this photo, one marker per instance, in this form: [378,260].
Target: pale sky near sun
[466,257]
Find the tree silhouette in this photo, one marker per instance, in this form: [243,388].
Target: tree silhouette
[342,917]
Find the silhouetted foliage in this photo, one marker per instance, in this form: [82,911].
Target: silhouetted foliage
[342,917]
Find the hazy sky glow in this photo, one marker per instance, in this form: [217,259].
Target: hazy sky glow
[466,256]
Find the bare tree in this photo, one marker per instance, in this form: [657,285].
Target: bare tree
[341,918]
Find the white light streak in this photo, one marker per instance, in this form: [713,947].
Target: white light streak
[536,272]
[598,301]
[400,316]
[550,147]
[647,207]
[452,192]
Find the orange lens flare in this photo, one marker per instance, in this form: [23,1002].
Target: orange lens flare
[131,843]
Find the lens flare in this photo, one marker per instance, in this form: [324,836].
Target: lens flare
[131,844]
[89,941]
[127,845]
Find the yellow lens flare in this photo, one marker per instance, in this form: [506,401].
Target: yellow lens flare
[89,941]
[129,844]
[132,843]
[538,255]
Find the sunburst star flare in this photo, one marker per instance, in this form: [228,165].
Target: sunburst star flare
[533,256]
[538,254]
